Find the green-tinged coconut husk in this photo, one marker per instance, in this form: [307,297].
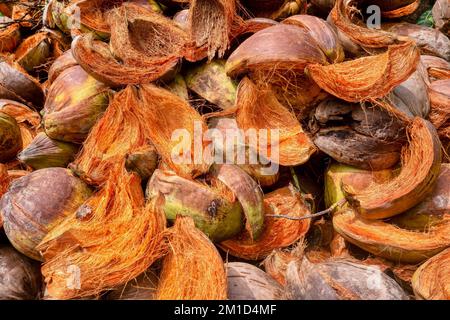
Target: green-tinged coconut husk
[339,280]
[429,40]
[143,161]
[38,202]
[249,194]
[9,34]
[16,84]
[141,288]
[431,280]
[75,101]
[390,242]
[44,152]
[33,51]
[214,210]
[193,268]
[211,82]
[63,62]
[438,68]
[111,239]
[435,209]
[322,33]
[10,137]
[21,277]
[421,164]
[441,16]
[247,282]
[277,233]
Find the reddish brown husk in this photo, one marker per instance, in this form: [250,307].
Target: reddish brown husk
[65,61]
[9,36]
[111,239]
[278,233]
[437,68]
[33,51]
[441,16]
[193,268]
[4,184]
[439,92]
[258,108]
[421,163]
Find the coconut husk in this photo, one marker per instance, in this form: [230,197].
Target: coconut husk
[441,16]
[258,108]
[407,7]
[111,239]
[438,68]
[421,163]
[253,25]
[63,62]
[275,264]
[193,269]
[390,242]
[214,209]
[33,51]
[5,180]
[210,28]
[431,280]
[141,288]
[428,40]
[439,92]
[388,70]
[247,282]
[9,35]
[143,161]
[278,233]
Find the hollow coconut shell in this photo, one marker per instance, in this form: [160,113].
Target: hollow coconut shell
[75,101]
[431,279]
[44,152]
[247,282]
[10,137]
[214,211]
[21,278]
[37,202]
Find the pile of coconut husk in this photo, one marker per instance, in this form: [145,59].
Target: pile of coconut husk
[225,149]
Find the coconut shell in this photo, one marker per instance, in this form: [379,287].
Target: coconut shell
[193,269]
[111,239]
[421,163]
[9,36]
[10,138]
[214,212]
[277,233]
[339,280]
[75,101]
[441,16]
[65,61]
[38,202]
[33,51]
[141,288]
[21,278]
[431,280]
[44,152]
[247,282]
[390,242]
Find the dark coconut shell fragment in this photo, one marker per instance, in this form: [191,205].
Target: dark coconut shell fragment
[421,163]
[21,277]
[36,203]
[247,282]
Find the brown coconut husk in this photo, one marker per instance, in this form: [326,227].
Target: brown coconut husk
[438,68]
[33,51]
[210,28]
[5,180]
[439,92]
[63,62]
[441,16]
[432,280]
[9,35]
[405,10]
[276,264]
[111,239]
[193,269]
[389,241]
[141,288]
[253,25]
[421,163]
[258,108]
[278,233]
[353,81]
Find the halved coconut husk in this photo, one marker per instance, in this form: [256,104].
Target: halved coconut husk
[247,282]
[438,68]
[111,239]
[251,26]
[322,33]
[63,62]
[421,163]
[396,8]
[277,233]
[435,209]
[193,268]
[9,35]
[339,280]
[16,84]
[441,16]
[210,28]
[429,40]
[439,92]
[353,81]
[390,242]
[258,109]
[33,51]
[214,210]
[431,281]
